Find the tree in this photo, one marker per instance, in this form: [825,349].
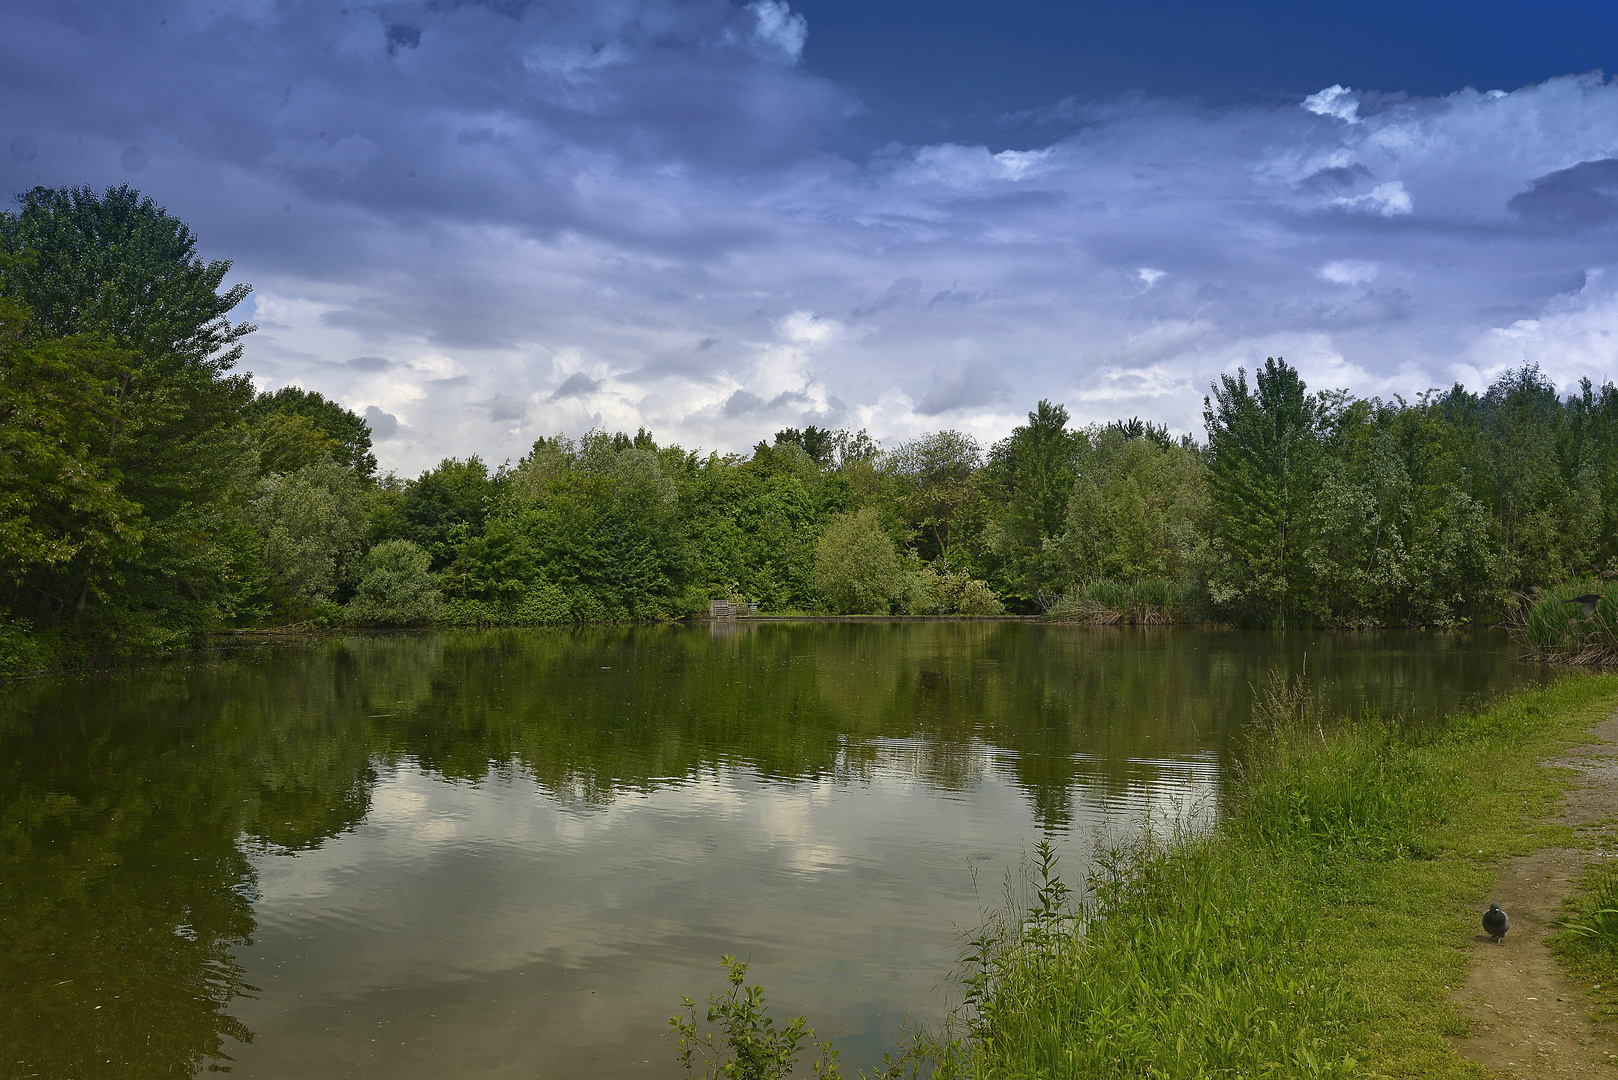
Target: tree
[313,525]
[941,499]
[1031,475]
[118,268]
[293,409]
[397,587]
[1138,510]
[445,499]
[1262,448]
[63,513]
[856,566]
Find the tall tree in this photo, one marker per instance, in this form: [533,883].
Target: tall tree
[1263,443]
[1031,475]
[118,268]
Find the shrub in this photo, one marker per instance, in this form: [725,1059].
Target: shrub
[753,1048]
[926,590]
[396,588]
[857,566]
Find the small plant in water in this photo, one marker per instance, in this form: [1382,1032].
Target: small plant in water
[750,1046]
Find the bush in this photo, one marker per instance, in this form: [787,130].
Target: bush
[926,590]
[857,566]
[536,605]
[753,1047]
[396,587]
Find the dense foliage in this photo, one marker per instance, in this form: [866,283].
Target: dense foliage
[147,495]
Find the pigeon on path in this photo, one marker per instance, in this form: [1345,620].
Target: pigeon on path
[1496,923]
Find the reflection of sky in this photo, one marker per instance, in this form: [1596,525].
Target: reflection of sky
[489,929]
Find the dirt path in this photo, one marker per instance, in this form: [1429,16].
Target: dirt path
[1527,1016]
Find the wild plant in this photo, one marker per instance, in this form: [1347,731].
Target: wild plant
[750,1046]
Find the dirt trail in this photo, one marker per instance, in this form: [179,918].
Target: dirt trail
[1527,1016]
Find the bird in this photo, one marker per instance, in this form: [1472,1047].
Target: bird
[1588,601]
[1496,922]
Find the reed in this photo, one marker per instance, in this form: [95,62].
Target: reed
[1557,629]
[1107,602]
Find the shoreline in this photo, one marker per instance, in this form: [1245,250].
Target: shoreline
[1338,897]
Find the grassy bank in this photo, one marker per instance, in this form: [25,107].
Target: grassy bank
[1314,932]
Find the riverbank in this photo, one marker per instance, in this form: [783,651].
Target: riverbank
[1322,929]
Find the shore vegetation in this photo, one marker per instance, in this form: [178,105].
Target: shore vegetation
[150,494]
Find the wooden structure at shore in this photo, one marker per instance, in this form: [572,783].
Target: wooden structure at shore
[726,609]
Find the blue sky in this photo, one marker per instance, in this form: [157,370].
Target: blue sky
[479,223]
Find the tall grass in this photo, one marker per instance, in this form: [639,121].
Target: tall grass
[1554,628]
[1311,933]
[1145,601]
[1588,940]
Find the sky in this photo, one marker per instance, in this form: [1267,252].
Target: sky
[481,223]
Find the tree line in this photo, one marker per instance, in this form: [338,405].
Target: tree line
[149,496]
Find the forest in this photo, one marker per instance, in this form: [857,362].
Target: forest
[149,496]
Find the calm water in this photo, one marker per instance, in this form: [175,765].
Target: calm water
[509,854]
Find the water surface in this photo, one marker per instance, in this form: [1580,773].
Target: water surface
[509,854]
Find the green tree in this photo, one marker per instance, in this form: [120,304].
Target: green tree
[396,588]
[444,503]
[63,513]
[1263,445]
[939,497]
[1138,510]
[1030,477]
[315,419]
[312,523]
[118,268]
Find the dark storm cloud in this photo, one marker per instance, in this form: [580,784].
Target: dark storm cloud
[968,386]
[742,403]
[1583,196]
[383,425]
[576,385]
[369,363]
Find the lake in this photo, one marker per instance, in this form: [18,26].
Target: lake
[509,853]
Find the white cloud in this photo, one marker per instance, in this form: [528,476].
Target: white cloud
[1338,101]
[654,198]
[779,28]
[1574,337]
[1389,200]
[1349,272]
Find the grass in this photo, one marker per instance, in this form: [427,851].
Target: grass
[1313,932]
[1588,941]
[1555,629]
[1146,601]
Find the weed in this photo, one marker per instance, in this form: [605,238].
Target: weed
[752,1048]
